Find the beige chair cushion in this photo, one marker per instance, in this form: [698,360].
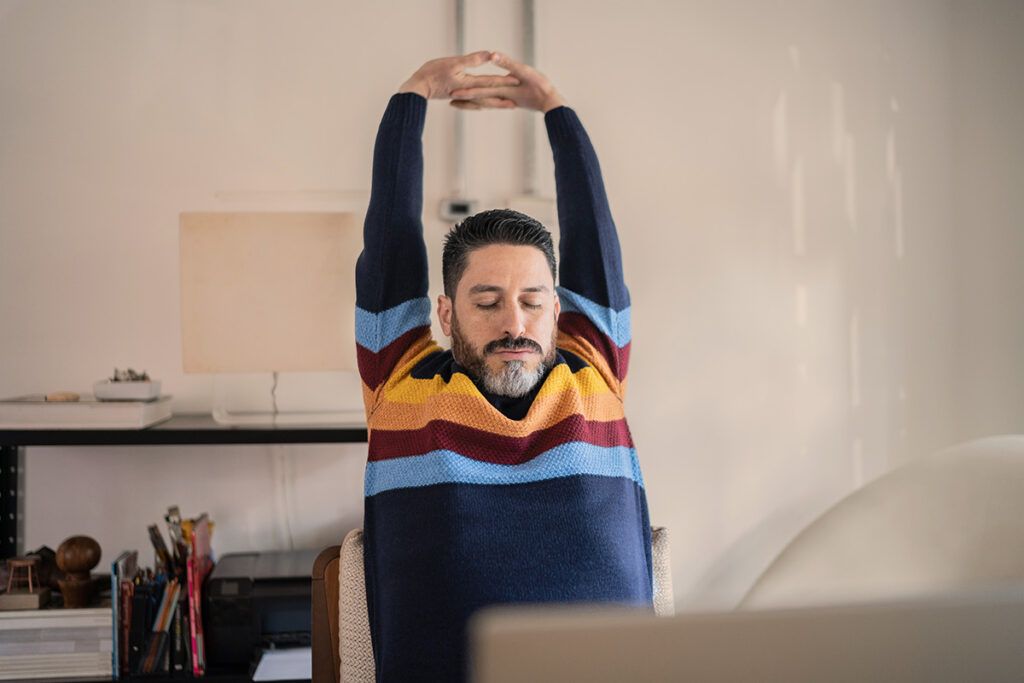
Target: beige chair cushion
[664,603]
[354,643]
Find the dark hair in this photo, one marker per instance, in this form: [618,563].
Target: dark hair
[495,226]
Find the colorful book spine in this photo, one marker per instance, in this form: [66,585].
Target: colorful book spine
[156,648]
[127,598]
[115,628]
[198,566]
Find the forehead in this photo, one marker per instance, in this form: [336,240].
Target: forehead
[507,266]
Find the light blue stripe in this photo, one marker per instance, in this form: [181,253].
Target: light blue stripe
[613,324]
[374,331]
[448,467]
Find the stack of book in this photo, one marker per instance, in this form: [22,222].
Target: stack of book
[55,643]
[35,412]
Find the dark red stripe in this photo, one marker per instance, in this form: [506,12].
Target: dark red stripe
[579,325]
[489,447]
[374,368]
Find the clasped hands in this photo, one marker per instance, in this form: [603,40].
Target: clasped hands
[445,79]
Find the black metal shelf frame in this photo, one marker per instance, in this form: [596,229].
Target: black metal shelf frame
[180,430]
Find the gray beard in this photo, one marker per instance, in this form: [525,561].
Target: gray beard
[513,380]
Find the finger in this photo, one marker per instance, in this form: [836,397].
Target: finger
[478,93]
[486,103]
[506,62]
[475,58]
[486,81]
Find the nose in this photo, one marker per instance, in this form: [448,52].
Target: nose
[514,322]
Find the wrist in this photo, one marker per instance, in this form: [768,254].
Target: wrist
[551,103]
[551,100]
[415,85]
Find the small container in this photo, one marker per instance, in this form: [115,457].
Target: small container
[106,390]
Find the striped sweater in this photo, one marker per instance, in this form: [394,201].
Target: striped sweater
[473,499]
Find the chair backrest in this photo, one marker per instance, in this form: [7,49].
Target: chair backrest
[325,617]
[664,602]
[949,521]
[354,644]
[342,649]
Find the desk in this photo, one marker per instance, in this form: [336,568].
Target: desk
[180,430]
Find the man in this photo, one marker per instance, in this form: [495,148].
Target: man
[502,470]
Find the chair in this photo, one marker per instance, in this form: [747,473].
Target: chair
[342,649]
[950,521]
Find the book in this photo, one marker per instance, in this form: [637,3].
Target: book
[46,643]
[33,411]
[144,606]
[25,600]
[198,566]
[73,665]
[181,659]
[122,569]
[56,617]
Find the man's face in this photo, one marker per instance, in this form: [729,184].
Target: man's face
[503,321]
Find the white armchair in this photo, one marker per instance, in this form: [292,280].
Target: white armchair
[949,521]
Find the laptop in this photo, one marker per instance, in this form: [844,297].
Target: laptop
[967,636]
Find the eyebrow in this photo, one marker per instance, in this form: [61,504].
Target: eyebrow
[480,289]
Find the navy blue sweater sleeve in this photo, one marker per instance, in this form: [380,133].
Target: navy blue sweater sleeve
[592,289]
[392,308]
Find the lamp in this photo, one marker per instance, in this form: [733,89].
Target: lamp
[269,292]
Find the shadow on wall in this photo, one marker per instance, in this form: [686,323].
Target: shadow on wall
[330,534]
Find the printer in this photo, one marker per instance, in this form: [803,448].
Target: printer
[254,601]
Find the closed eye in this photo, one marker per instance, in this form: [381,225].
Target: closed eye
[487,306]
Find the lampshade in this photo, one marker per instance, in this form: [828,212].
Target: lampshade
[268,292]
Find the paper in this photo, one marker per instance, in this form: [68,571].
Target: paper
[285,665]
[268,291]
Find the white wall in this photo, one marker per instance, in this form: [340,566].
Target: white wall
[804,193]
[987,178]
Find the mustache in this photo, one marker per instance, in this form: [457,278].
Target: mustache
[508,344]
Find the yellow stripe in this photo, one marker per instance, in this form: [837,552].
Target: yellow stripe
[422,346]
[585,350]
[587,382]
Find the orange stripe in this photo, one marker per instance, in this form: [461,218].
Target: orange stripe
[477,413]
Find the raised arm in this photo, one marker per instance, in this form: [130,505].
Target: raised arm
[392,308]
[592,291]
[595,300]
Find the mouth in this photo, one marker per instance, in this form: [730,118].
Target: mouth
[517,353]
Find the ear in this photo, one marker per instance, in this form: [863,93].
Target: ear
[558,308]
[444,314]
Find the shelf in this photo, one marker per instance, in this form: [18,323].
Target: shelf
[188,429]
